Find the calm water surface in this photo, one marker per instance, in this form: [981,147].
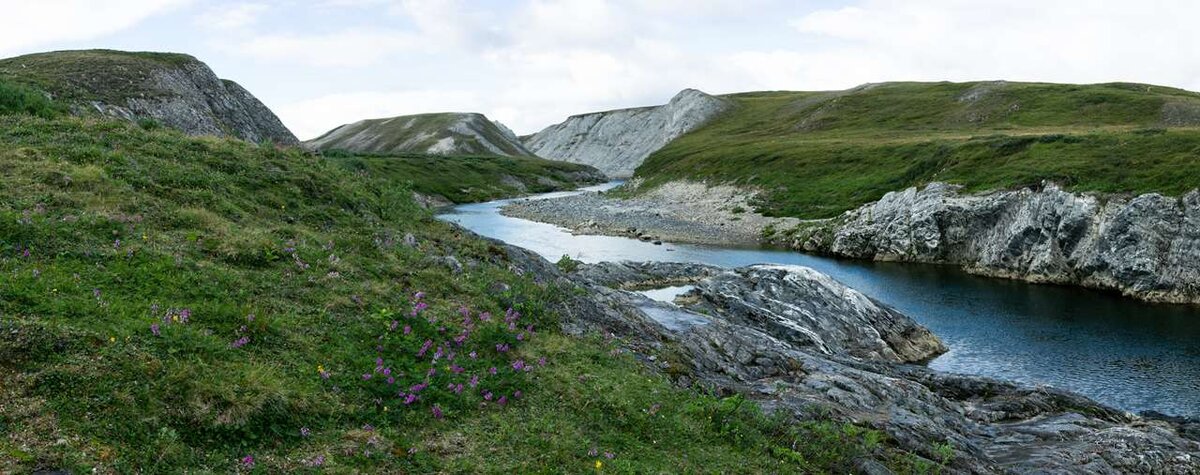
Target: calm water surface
[1128,354]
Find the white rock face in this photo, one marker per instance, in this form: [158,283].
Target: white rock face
[191,98]
[617,142]
[1146,246]
[437,134]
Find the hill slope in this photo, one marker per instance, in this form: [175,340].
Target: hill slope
[172,304]
[176,90]
[616,142]
[817,154]
[469,178]
[449,133]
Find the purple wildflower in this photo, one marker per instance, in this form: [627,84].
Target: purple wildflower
[609,455]
[304,432]
[411,398]
[457,369]
[391,380]
[25,253]
[542,361]
[407,329]
[485,316]
[502,347]
[368,427]
[184,315]
[474,381]
[240,342]
[248,461]
[437,412]
[518,365]
[419,296]
[458,388]
[487,395]
[395,324]
[517,394]
[154,329]
[502,401]
[492,370]
[432,371]
[520,336]
[593,452]
[317,461]
[473,355]
[387,371]
[425,348]
[96,293]
[366,376]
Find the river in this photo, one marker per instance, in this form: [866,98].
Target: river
[1122,352]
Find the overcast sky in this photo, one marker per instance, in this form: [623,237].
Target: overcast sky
[531,63]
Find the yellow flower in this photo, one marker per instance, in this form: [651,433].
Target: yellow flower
[385,409]
[599,464]
[112,339]
[320,369]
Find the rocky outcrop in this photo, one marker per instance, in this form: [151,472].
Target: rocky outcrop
[735,334]
[436,134]
[617,142]
[174,90]
[1146,246]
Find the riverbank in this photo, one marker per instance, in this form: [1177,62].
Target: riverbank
[682,212]
[805,347]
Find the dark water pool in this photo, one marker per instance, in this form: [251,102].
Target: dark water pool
[1128,354]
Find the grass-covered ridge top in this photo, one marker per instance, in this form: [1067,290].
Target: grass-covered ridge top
[87,75]
[816,154]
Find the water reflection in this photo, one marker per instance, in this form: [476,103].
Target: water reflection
[1132,355]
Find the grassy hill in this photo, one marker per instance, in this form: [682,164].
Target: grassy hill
[93,75]
[466,179]
[816,154]
[171,304]
[443,133]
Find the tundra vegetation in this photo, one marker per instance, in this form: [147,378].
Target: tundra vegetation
[817,154]
[172,303]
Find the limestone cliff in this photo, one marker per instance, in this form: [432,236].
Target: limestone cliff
[174,90]
[616,142]
[1146,246]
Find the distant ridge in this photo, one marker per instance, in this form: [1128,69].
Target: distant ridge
[448,133]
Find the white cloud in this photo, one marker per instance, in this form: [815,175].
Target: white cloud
[535,62]
[33,24]
[352,47]
[1049,40]
[237,16]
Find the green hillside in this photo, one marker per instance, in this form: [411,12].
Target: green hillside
[468,179]
[172,304]
[816,154]
[440,133]
[92,75]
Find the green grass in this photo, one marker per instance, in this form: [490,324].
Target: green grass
[18,99]
[815,155]
[466,179]
[92,75]
[108,228]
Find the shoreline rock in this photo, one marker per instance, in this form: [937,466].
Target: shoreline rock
[676,212]
[1146,247]
[976,424]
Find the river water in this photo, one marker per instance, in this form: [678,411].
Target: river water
[1129,354]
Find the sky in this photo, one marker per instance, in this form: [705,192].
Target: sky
[531,63]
